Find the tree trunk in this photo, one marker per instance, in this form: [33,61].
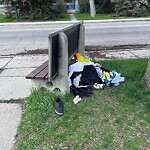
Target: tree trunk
[147,75]
[92,8]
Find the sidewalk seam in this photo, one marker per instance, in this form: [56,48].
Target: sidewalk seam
[7,63]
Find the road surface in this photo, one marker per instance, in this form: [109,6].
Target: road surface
[15,38]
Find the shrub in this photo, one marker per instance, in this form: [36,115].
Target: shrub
[105,6]
[131,8]
[83,6]
[40,9]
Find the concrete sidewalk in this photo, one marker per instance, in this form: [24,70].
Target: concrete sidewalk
[72,17]
[14,86]
[13,69]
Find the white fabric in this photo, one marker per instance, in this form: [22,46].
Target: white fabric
[78,66]
[76,80]
[118,79]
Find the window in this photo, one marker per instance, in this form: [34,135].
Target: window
[69,1]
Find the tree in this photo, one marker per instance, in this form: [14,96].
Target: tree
[131,7]
[105,6]
[39,9]
[59,1]
[92,8]
[42,9]
[60,6]
[83,5]
[14,5]
[147,75]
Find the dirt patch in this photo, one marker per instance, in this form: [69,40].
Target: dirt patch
[116,47]
[93,49]
[30,52]
[95,54]
[37,51]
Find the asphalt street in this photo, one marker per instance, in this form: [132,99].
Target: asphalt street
[15,38]
[118,33]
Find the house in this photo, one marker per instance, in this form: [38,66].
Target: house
[72,5]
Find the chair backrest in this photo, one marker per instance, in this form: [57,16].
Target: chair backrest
[63,44]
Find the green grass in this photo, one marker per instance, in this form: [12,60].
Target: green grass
[65,17]
[4,18]
[113,118]
[86,16]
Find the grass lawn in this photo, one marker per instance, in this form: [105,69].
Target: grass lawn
[66,17]
[3,18]
[86,16]
[111,119]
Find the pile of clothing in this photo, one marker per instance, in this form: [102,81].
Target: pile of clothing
[85,76]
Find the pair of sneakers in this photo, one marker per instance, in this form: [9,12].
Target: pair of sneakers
[58,104]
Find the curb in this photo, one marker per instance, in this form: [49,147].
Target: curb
[71,22]
[117,20]
[116,47]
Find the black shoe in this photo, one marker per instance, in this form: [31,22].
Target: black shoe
[58,106]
